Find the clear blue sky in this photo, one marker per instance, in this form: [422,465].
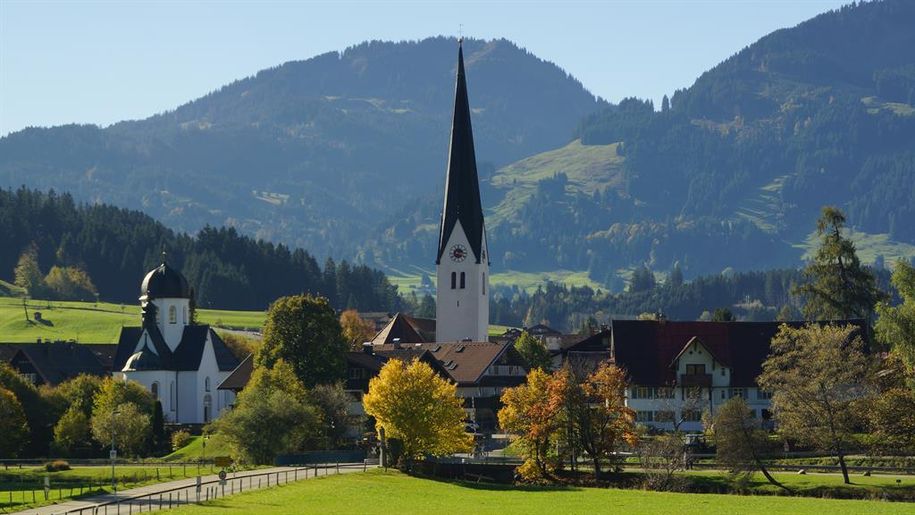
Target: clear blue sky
[101,62]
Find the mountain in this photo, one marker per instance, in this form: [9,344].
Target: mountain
[728,174]
[310,153]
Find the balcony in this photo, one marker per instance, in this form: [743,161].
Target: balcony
[703,380]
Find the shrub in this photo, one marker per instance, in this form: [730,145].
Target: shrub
[180,438]
[56,466]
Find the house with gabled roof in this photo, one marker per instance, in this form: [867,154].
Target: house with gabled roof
[677,370]
[180,363]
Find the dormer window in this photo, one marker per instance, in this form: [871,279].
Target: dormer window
[172,315]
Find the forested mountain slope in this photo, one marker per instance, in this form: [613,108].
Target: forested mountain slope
[731,172]
[116,247]
[310,153]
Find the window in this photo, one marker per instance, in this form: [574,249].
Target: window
[763,395]
[172,397]
[665,392]
[206,384]
[184,320]
[453,280]
[207,407]
[641,392]
[172,315]
[722,372]
[483,283]
[692,415]
[695,370]
[664,416]
[463,280]
[154,388]
[355,373]
[644,416]
[739,392]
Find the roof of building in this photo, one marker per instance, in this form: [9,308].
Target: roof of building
[648,349]
[465,362]
[400,327]
[462,188]
[542,330]
[238,379]
[58,362]
[164,282]
[187,353]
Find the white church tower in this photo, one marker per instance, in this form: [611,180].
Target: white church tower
[462,264]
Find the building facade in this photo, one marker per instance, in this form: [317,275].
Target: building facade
[179,363]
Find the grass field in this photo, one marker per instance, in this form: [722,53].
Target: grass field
[94,323]
[528,281]
[868,247]
[194,450]
[380,492]
[22,488]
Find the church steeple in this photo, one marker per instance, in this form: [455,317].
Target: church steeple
[462,263]
[462,189]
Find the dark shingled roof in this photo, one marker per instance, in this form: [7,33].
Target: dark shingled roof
[238,379]
[58,362]
[462,188]
[465,362]
[648,348]
[187,354]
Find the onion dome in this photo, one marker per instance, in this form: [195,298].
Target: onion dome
[164,282]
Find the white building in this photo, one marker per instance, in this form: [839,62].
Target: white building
[181,364]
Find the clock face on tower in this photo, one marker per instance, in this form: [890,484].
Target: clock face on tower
[458,253]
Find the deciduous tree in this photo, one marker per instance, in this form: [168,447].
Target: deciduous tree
[419,408]
[838,286]
[601,419]
[816,375]
[356,331]
[740,441]
[533,412]
[533,351]
[273,415]
[27,273]
[127,426]
[303,330]
[13,426]
[895,326]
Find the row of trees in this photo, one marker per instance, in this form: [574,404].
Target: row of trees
[79,417]
[61,282]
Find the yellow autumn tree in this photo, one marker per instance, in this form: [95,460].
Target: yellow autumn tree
[419,408]
[532,411]
[356,330]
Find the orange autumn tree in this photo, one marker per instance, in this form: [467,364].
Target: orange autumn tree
[598,412]
[533,412]
[419,408]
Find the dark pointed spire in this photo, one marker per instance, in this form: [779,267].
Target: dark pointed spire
[462,188]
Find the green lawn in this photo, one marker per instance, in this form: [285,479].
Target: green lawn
[194,450]
[391,492]
[94,323]
[22,488]
[868,247]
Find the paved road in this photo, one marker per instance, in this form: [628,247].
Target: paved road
[184,491]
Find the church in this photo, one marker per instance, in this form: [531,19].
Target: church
[181,364]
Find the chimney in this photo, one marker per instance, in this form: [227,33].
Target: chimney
[367,348]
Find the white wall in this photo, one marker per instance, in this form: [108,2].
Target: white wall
[172,332]
[462,313]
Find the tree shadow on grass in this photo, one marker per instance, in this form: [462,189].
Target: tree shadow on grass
[497,487]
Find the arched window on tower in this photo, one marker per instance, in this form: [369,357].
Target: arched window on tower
[172,315]
[184,320]
[206,384]
[484,283]
[207,408]
[463,280]
[154,388]
[453,280]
